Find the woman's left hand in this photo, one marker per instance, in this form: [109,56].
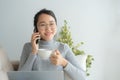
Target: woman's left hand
[57,59]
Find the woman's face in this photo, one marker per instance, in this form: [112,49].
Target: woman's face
[46,26]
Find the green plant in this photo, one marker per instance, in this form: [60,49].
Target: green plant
[65,37]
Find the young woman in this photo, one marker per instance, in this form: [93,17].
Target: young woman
[45,27]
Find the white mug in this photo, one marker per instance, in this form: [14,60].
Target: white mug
[44,53]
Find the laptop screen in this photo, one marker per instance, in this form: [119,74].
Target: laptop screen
[36,75]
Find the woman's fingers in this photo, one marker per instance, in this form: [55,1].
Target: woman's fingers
[35,46]
[35,36]
[55,58]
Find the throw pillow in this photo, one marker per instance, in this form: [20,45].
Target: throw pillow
[82,61]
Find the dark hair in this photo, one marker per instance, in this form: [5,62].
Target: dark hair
[43,11]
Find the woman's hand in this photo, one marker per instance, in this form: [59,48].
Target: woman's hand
[57,59]
[34,38]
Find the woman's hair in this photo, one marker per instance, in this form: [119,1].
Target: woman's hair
[43,11]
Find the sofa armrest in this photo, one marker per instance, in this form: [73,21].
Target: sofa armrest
[15,65]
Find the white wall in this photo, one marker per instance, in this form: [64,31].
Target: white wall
[96,22]
[112,47]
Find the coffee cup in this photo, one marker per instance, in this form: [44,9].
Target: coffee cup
[44,53]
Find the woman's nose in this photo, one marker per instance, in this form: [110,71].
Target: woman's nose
[48,27]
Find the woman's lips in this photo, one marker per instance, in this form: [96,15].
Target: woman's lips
[48,34]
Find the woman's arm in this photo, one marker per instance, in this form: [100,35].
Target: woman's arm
[27,58]
[73,68]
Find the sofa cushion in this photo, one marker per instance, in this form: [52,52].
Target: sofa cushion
[5,63]
[82,61]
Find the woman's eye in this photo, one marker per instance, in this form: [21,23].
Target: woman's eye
[42,25]
[51,24]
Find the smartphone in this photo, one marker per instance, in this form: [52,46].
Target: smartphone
[35,30]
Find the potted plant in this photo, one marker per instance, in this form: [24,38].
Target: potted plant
[65,37]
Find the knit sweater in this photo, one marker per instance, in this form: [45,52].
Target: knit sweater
[33,62]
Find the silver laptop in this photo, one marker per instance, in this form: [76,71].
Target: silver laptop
[35,75]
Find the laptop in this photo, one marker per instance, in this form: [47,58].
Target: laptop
[35,75]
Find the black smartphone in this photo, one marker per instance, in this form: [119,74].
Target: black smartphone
[35,30]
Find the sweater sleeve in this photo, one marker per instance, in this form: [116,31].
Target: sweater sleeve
[27,59]
[73,68]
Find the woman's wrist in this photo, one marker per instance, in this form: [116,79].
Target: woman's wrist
[34,51]
[65,62]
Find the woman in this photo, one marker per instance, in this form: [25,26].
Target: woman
[45,27]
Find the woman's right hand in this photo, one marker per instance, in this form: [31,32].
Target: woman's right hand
[34,38]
